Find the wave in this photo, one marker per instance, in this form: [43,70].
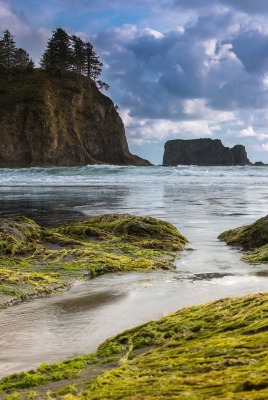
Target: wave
[115,175]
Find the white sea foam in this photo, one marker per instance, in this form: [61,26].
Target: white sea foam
[116,175]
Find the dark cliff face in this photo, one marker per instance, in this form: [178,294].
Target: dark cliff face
[54,122]
[203,152]
[240,155]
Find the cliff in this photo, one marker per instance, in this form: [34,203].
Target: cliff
[47,121]
[203,152]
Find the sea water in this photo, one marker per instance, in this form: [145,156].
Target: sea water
[200,201]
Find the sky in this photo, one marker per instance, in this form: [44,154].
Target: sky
[177,69]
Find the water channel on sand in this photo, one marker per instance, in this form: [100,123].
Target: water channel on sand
[76,322]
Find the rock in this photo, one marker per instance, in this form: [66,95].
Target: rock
[259,164]
[203,152]
[253,238]
[248,236]
[48,121]
[36,260]
[240,155]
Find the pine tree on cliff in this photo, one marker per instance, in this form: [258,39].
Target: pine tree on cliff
[94,66]
[93,63]
[7,52]
[57,59]
[22,61]
[78,55]
[66,53]
[13,60]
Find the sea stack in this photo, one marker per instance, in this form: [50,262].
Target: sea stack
[49,121]
[203,152]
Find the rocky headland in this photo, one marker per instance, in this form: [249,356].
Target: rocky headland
[203,152]
[49,121]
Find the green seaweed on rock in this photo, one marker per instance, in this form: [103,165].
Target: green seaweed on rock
[252,238]
[35,260]
[146,232]
[218,350]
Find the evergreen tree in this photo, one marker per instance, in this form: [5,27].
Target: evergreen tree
[22,61]
[94,66]
[7,52]
[70,53]
[57,59]
[13,60]
[78,55]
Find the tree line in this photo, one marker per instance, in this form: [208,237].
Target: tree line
[64,54]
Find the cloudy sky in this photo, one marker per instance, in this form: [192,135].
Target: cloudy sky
[176,68]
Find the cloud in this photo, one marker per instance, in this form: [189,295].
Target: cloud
[263,147]
[152,74]
[247,132]
[33,39]
[11,19]
[202,122]
[247,6]
[251,47]
[190,82]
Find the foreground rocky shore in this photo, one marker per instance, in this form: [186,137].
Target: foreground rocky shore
[215,351]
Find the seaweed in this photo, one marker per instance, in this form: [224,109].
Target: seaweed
[217,350]
[35,260]
[251,238]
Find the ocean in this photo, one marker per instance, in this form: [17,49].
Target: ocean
[200,201]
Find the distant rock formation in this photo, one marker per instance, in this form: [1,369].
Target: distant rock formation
[260,164]
[48,121]
[203,152]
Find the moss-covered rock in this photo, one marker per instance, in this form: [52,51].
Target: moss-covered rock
[146,232]
[34,260]
[253,238]
[248,236]
[215,351]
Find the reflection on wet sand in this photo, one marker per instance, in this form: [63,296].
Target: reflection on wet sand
[87,302]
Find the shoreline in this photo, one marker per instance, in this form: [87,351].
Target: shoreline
[9,301]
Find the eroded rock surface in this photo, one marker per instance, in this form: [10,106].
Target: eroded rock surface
[48,121]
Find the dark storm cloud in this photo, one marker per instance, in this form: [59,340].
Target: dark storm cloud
[248,6]
[154,74]
[251,47]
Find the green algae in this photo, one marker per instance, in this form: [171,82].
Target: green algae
[147,232]
[35,260]
[259,255]
[249,236]
[252,238]
[214,351]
